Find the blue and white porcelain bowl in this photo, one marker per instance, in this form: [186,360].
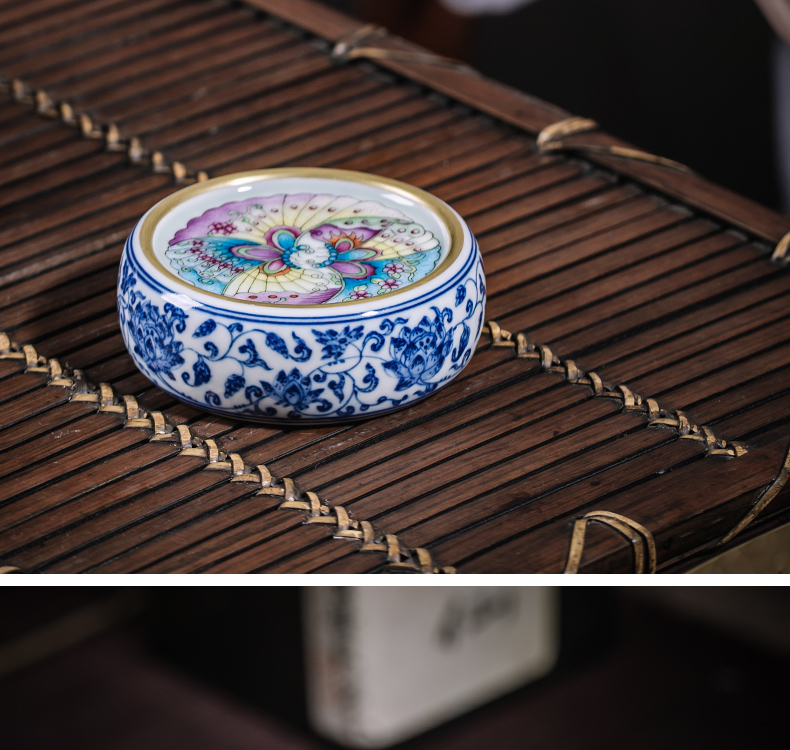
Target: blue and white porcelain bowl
[301,295]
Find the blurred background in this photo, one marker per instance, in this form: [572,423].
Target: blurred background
[208,668]
[699,82]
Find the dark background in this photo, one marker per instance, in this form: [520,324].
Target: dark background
[686,79]
[218,668]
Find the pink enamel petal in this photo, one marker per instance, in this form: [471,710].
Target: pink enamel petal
[354,270]
[200,226]
[274,265]
[256,252]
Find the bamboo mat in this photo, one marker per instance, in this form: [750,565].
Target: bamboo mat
[641,414]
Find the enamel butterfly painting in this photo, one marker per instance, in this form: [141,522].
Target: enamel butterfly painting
[303,249]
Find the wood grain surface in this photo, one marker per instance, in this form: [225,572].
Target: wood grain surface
[645,276]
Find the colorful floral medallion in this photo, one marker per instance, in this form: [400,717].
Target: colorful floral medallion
[303,249]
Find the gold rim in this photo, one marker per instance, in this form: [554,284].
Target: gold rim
[433,204]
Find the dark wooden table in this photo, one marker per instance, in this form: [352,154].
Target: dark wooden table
[645,400]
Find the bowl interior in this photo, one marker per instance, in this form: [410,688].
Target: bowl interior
[314,238]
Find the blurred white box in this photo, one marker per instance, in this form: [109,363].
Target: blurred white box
[384,663]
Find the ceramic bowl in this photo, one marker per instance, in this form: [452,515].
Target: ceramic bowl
[301,295]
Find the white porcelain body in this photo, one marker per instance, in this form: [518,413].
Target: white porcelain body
[301,364]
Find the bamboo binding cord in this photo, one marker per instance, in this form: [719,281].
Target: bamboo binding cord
[43,104]
[350,47]
[781,253]
[399,557]
[770,493]
[642,542]
[552,138]
[656,415]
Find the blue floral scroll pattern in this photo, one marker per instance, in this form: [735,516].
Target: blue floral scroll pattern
[153,332]
[154,336]
[343,371]
[419,353]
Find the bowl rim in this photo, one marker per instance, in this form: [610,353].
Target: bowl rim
[443,213]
